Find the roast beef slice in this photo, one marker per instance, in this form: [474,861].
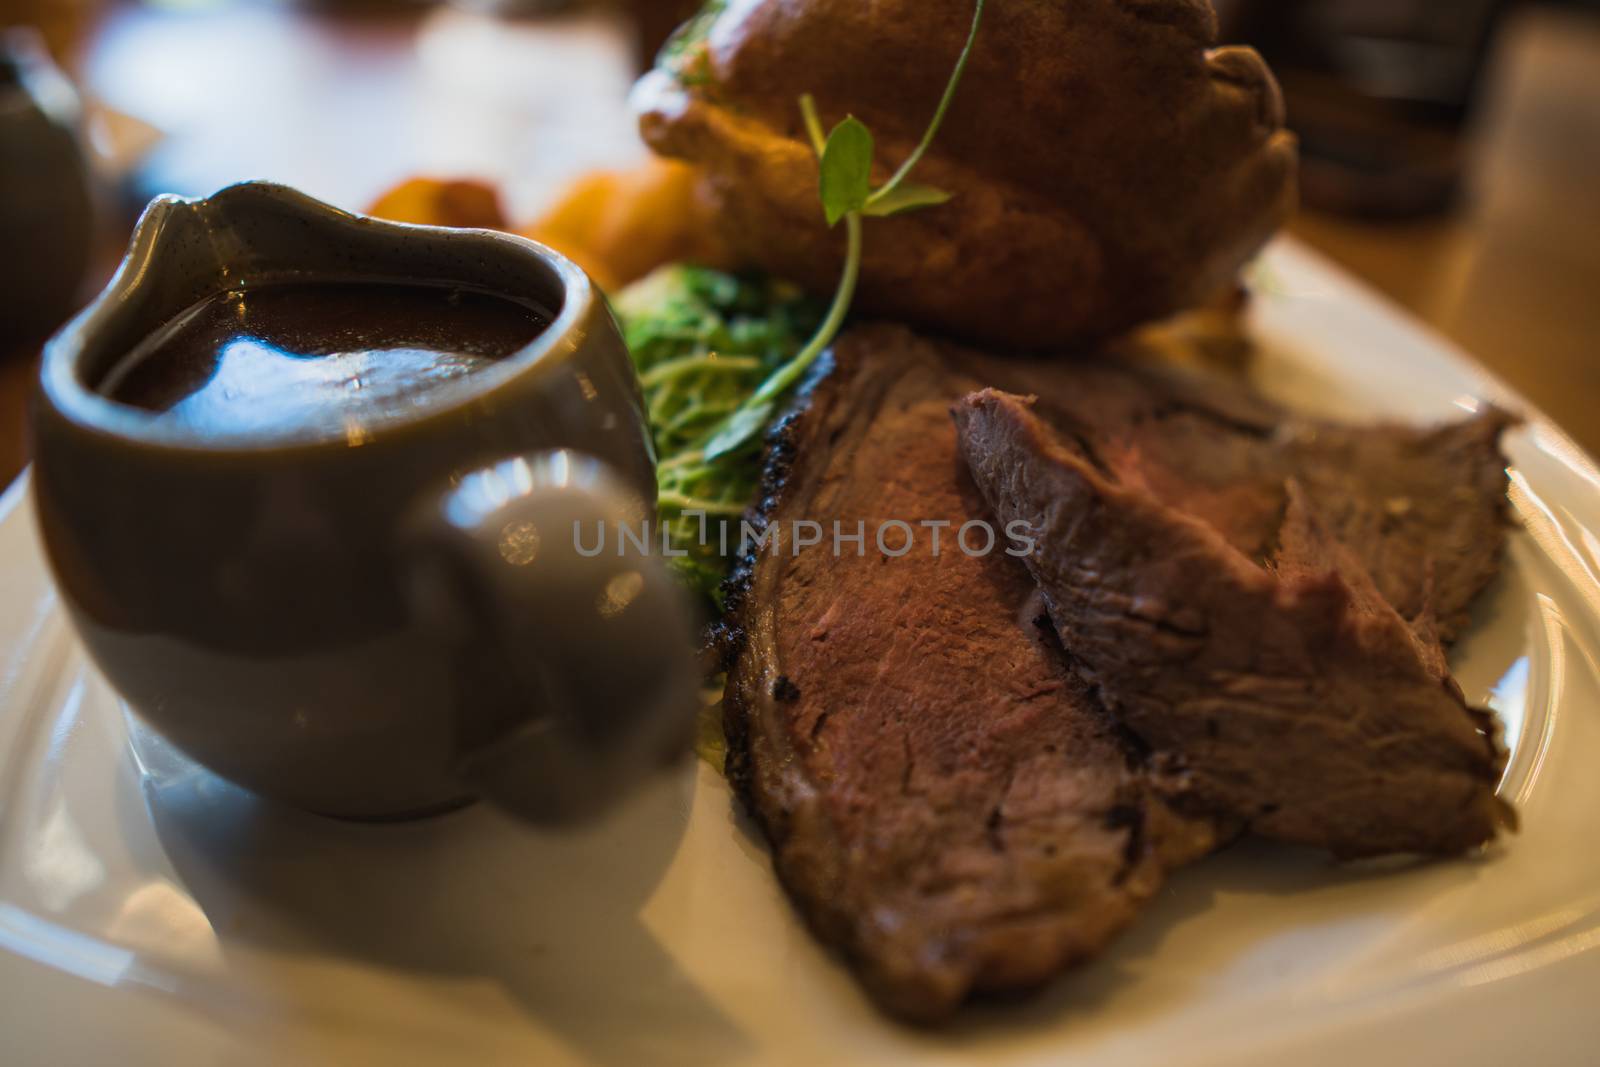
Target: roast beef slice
[1296,696]
[947,803]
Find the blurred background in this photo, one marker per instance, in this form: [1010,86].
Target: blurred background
[1452,147]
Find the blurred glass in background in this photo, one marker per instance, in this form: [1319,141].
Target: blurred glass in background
[1381,93]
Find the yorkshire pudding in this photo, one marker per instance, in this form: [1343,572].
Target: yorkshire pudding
[1110,165]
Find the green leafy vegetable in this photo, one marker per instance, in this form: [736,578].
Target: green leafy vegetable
[703,342]
[746,423]
[846,167]
[743,428]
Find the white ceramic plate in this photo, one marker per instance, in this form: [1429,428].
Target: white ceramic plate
[150,913]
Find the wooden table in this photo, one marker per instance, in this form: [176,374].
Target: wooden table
[344,106]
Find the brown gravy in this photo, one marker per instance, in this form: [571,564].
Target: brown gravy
[298,355]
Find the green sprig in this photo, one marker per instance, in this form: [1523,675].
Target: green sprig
[717,353]
[844,163]
[886,194]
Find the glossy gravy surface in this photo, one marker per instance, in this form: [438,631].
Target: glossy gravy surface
[286,356]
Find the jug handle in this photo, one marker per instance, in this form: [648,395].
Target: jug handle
[574,673]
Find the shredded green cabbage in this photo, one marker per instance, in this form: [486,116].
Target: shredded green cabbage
[704,342]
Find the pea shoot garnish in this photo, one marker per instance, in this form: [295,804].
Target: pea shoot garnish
[717,353]
[845,158]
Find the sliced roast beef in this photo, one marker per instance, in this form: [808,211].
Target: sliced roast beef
[950,801]
[947,803]
[1269,663]
[1423,509]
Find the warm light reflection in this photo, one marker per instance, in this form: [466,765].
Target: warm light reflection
[58,862]
[1486,949]
[355,434]
[619,592]
[161,918]
[1551,441]
[1550,534]
[519,543]
[1533,959]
